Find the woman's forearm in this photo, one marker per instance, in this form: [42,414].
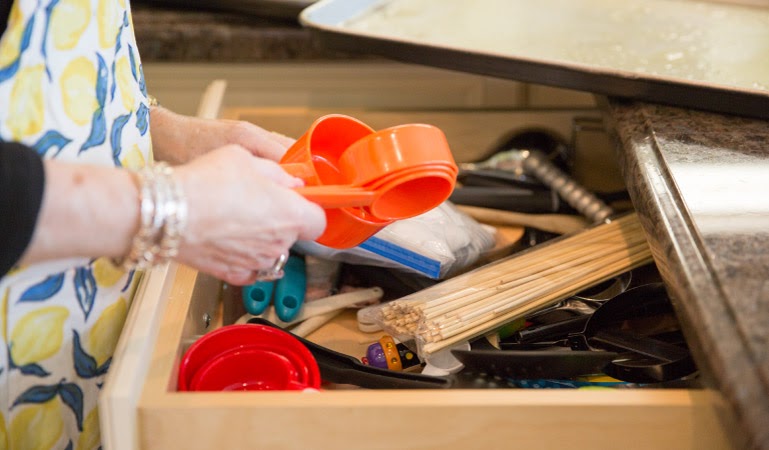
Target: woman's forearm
[178,139]
[87,211]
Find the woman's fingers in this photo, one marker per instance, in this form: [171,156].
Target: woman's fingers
[273,171]
[243,214]
[178,138]
[260,142]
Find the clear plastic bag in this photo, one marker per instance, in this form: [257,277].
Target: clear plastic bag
[435,244]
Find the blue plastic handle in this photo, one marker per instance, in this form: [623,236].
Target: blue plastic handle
[291,289]
[257,296]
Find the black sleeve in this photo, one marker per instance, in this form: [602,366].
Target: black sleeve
[5,11]
[22,179]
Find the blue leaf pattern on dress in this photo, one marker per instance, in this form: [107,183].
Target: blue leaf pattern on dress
[98,126]
[33,369]
[98,131]
[120,32]
[72,396]
[128,281]
[142,119]
[51,138]
[28,369]
[43,46]
[139,77]
[117,131]
[85,364]
[43,290]
[85,289]
[132,59]
[114,82]
[11,69]
[117,49]
[37,394]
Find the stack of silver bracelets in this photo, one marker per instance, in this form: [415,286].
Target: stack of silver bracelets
[163,218]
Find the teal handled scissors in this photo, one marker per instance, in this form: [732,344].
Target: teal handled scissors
[287,293]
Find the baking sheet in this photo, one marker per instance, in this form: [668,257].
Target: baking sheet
[705,55]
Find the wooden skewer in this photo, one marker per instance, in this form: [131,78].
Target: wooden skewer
[513,266]
[432,311]
[553,298]
[526,267]
[480,301]
[472,306]
[497,305]
[516,267]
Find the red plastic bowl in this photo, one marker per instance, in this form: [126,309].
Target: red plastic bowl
[249,369]
[242,345]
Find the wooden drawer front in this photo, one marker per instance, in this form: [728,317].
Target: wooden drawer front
[420,419]
[158,417]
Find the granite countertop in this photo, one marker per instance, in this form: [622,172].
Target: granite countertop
[173,35]
[699,182]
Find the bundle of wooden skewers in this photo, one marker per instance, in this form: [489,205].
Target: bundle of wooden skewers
[478,302]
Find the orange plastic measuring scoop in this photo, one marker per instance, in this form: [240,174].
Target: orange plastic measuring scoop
[366,179]
[396,173]
[399,197]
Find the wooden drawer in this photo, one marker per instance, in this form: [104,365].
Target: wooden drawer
[141,409]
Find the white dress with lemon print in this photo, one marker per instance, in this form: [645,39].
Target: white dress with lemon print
[71,87]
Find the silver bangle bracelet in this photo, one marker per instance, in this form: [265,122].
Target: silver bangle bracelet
[175,218]
[163,219]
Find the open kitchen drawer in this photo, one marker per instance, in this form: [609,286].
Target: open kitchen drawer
[141,409]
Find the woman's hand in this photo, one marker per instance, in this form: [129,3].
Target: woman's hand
[243,214]
[177,138]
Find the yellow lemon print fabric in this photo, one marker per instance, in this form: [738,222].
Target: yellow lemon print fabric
[72,88]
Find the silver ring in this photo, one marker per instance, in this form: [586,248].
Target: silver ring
[276,271]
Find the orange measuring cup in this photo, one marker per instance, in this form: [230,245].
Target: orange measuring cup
[366,179]
[314,157]
[348,227]
[392,150]
[396,173]
[397,197]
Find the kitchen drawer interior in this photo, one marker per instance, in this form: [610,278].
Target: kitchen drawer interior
[183,305]
[332,418]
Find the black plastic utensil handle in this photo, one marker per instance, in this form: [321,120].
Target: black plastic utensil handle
[551,331]
[507,199]
[339,368]
[534,364]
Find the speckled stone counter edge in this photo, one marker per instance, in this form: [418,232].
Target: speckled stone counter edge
[190,36]
[692,283]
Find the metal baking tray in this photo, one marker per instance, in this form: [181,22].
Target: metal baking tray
[698,54]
